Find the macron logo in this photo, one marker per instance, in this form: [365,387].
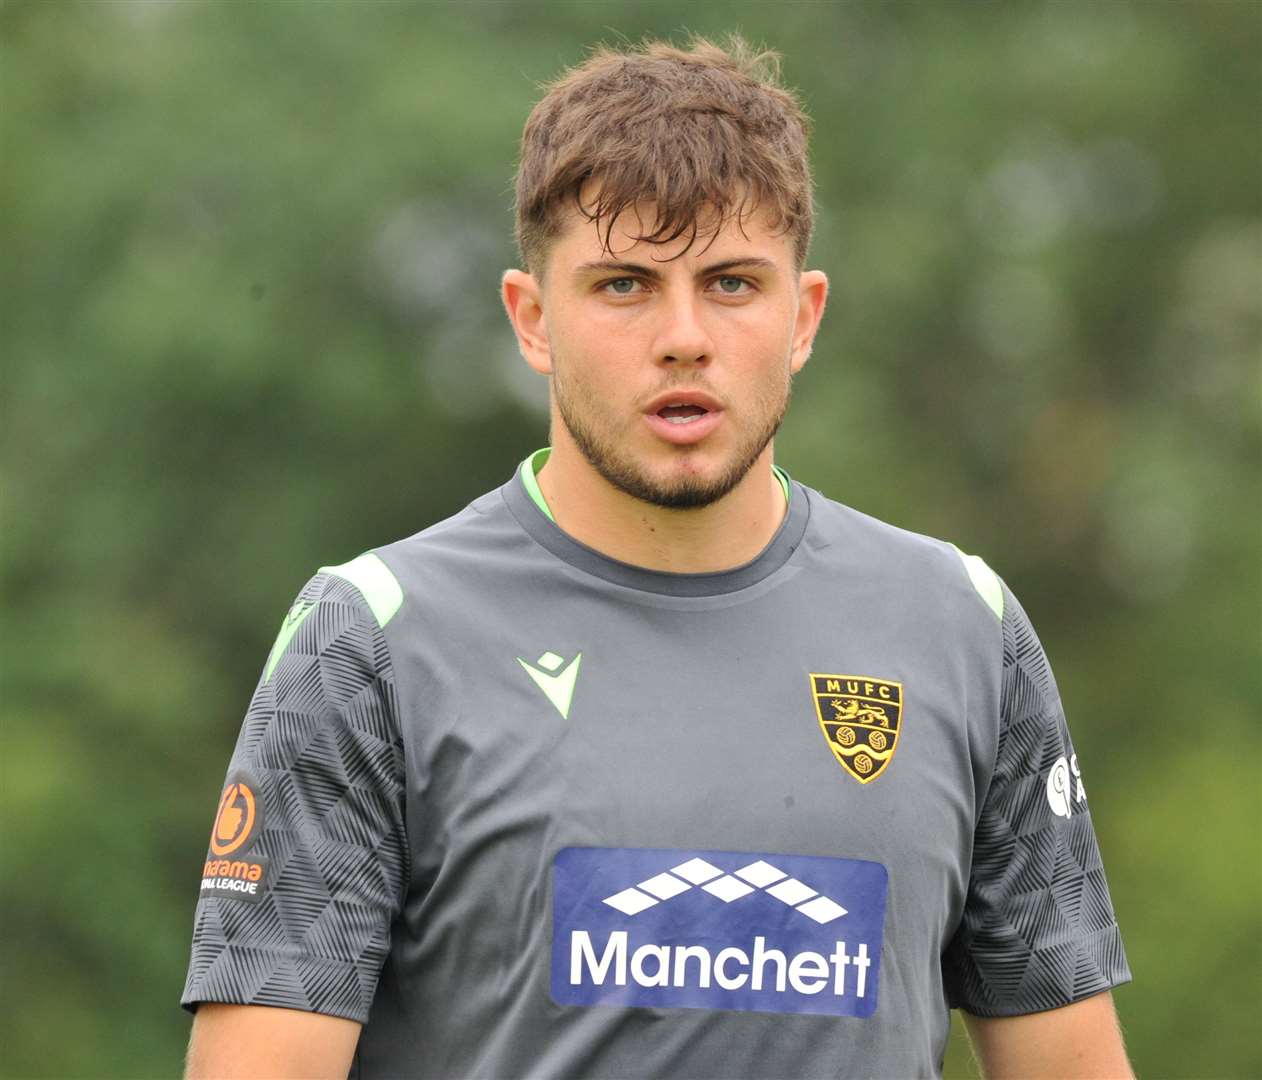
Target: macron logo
[555,681]
[727,887]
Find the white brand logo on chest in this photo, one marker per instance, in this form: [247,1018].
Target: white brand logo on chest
[555,680]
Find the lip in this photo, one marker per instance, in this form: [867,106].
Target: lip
[683,397]
[693,431]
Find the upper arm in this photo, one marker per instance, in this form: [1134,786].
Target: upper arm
[1037,931]
[307,865]
[1081,1040]
[237,1042]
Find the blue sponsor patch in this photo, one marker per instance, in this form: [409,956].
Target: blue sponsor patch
[717,930]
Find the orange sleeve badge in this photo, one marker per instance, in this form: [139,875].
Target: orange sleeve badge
[238,821]
[234,822]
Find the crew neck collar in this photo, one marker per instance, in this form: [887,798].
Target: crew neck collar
[528,505]
[529,471]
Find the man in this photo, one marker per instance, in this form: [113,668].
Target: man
[653,762]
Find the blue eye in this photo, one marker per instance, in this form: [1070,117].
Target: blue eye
[731,285]
[622,286]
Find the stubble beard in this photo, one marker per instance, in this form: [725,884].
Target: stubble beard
[620,469]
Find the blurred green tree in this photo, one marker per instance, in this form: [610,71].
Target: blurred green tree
[250,327]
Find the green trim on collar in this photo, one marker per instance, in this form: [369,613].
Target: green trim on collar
[529,479]
[530,482]
[783,477]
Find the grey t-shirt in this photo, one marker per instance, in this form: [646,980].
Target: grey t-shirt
[528,811]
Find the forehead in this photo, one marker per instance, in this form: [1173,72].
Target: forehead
[750,233]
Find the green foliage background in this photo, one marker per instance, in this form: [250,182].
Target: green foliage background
[250,262]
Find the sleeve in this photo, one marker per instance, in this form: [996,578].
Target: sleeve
[1038,930]
[307,860]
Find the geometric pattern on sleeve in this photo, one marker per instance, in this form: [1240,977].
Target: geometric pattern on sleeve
[322,740]
[1038,929]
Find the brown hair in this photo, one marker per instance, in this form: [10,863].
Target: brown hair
[699,132]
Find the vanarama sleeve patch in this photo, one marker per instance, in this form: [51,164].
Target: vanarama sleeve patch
[231,869]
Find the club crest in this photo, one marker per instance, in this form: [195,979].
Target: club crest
[860,717]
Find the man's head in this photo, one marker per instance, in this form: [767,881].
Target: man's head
[664,213]
[691,131]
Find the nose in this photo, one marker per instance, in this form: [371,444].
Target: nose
[682,337]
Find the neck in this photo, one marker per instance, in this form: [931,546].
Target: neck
[726,534]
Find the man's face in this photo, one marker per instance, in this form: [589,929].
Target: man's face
[670,364]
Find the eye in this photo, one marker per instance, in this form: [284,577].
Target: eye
[733,286]
[623,286]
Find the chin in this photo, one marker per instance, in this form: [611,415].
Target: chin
[674,488]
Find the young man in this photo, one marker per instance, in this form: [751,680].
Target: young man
[654,762]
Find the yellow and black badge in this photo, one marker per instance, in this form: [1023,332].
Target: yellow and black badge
[860,717]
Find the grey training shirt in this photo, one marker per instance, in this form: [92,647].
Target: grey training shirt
[527,811]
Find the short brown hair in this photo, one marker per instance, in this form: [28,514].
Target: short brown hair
[698,132]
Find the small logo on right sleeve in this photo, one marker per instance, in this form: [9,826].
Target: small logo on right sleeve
[238,821]
[235,820]
[1064,786]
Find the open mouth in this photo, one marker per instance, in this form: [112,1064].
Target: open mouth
[681,414]
[684,416]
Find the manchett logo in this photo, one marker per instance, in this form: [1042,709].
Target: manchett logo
[717,930]
[726,887]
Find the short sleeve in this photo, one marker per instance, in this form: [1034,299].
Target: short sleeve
[1038,930]
[307,859]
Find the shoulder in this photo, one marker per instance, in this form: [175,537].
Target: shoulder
[385,579]
[482,524]
[932,573]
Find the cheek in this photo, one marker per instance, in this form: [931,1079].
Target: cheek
[584,383]
[756,335]
[589,324]
[597,363]
[594,330]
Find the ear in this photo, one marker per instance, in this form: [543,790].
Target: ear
[812,295]
[523,300]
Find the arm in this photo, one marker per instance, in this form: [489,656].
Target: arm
[1037,948]
[1081,1040]
[307,857]
[239,1042]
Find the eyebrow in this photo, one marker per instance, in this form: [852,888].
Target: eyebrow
[605,266]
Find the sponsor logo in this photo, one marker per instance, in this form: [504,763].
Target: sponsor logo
[555,681]
[237,879]
[748,931]
[238,821]
[861,717]
[1064,786]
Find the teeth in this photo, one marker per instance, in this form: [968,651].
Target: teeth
[682,419]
